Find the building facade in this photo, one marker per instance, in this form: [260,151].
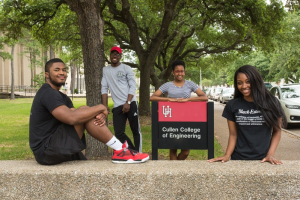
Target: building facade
[23,72]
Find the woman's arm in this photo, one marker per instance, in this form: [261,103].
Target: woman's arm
[276,135]
[156,96]
[231,143]
[201,96]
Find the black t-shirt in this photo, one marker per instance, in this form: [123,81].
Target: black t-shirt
[253,134]
[42,123]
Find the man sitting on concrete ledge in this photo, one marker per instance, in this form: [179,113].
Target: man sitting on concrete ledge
[56,128]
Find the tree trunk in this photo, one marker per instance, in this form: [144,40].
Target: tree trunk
[52,54]
[12,93]
[91,31]
[80,84]
[45,57]
[22,65]
[72,85]
[34,69]
[77,79]
[31,65]
[144,105]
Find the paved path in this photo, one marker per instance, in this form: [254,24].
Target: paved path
[288,148]
[294,128]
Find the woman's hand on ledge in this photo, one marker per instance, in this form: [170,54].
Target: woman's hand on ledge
[271,160]
[222,159]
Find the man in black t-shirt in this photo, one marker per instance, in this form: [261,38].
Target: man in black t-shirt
[56,128]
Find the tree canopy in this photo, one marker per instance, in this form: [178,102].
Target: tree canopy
[285,59]
[161,32]
[4,55]
[156,32]
[280,60]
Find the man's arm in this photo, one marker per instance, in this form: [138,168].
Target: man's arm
[131,82]
[132,88]
[126,106]
[78,116]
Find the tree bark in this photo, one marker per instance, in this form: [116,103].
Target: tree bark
[144,105]
[34,68]
[91,31]
[77,80]
[52,53]
[72,85]
[45,57]
[22,65]
[31,67]
[12,93]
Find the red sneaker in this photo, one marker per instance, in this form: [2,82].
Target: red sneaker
[126,155]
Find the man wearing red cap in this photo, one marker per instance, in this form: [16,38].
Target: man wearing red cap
[119,79]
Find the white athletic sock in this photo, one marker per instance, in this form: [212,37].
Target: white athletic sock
[114,143]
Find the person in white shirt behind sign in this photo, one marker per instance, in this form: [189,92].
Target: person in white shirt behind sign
[179,90]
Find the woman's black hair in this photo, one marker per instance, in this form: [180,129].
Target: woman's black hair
[266,102]
[176,63]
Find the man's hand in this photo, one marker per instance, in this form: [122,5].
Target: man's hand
[100,119]
[126,108]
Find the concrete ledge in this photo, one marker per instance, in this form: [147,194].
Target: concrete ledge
[152,180]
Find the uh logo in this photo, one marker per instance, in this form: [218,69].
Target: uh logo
[167,111]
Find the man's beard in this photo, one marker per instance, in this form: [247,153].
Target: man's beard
[55,83]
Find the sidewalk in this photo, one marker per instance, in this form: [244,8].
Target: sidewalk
[27,94]
[288,148]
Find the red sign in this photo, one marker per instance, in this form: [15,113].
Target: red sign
[182,112]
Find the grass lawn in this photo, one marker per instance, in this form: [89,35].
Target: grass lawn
[14,131]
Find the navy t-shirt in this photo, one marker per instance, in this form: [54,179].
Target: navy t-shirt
[253,134]
[42,123]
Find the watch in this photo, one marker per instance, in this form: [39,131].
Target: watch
[129,102]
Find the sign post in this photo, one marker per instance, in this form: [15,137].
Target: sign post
[188,125]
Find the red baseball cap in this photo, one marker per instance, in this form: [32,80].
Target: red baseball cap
[118,49]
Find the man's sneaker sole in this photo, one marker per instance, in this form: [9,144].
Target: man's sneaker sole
[130,161]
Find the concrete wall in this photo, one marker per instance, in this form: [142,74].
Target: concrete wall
[151,180]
